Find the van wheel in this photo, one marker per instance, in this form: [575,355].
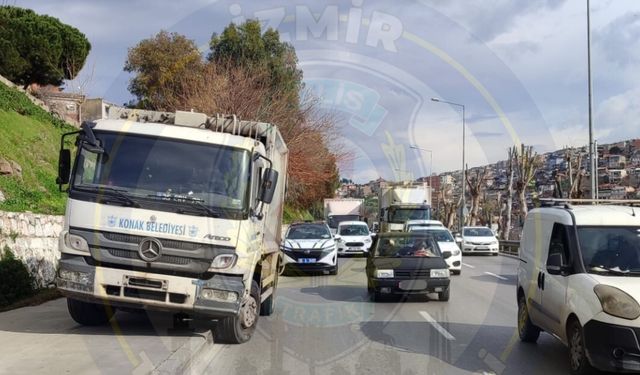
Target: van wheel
[89,314]
[444,296]
[527,331]
[577,353]
[239,329]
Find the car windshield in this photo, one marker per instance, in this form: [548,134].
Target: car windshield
[335,220]
[606,249]
[147,167]
[308,232]
[401,215]
[407,246]
[441,235]
[354,230]
[477,232]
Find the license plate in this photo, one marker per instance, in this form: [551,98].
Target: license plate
[482,248]
[413,285]
[306,260]
[354,249]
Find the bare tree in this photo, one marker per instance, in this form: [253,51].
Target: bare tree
[526,166]
[506,228]
[475,182]
[449,207]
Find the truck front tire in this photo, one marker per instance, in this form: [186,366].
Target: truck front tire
[239,329]
[89,314]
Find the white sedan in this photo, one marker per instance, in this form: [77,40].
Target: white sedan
[446,242]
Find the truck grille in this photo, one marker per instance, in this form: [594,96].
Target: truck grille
[134,255]
[129,238]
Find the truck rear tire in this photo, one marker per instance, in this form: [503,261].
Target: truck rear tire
[239,329]
[89,314]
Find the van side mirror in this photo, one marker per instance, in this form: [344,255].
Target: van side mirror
[64,167]
[556,265]
[269,183]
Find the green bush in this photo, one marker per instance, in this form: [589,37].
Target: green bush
[15,281]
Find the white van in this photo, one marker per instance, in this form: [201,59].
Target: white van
[579,280]
[353,237]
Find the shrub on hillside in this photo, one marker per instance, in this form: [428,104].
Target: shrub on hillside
[15,281]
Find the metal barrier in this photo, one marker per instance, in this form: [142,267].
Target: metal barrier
[509,247]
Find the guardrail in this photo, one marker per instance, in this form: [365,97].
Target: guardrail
[509,247]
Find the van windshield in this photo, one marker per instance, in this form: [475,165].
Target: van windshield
[610,250]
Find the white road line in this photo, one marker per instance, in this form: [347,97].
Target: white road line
[494,275]
[437,326]
[468,265]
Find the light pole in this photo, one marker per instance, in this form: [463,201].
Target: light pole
[592,160]
[430,160]
[464,174]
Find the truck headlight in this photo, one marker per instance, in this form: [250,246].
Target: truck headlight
[76,242]
[439,273]
[75,276]
[384,274]
[616,302]
[223,261]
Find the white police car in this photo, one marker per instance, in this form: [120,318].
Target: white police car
[579,280]
[309,247]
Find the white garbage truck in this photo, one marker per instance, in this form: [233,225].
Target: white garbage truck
[178,212]
[337,210]
[402,202]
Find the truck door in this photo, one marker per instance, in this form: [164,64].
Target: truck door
[554,285]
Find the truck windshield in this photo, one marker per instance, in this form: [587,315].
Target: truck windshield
[610,250]
[401,215]
[168,169]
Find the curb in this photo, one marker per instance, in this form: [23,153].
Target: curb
[191,358]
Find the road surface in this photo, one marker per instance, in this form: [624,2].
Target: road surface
[326,325]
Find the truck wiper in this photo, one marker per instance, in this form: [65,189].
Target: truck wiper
[114,193]
[196,205]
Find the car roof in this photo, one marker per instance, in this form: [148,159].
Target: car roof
[596,215]
[352,223]
[307,223]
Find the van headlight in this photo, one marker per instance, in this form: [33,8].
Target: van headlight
[384,274]
[616,302]
[439,273]
[76,242]
[223,261]
[367,240]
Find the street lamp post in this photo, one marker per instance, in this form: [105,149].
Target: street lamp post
[592,152]
[464,177]
[430,160]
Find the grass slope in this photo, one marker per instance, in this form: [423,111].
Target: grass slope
[30,136]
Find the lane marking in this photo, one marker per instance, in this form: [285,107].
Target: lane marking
[468,265]
[437,326]
[494,275]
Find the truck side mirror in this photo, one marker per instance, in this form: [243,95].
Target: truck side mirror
[64,167]
[268,188]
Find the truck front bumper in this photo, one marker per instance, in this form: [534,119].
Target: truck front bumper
[218,296]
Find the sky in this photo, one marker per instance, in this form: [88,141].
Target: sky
[518,67]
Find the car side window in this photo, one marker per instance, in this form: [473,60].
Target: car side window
[559,243]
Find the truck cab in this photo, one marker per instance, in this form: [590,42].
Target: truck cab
[173,212]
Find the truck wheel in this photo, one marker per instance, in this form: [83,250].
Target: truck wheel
[239,329]
[89,314]
[444,296]
[527,331]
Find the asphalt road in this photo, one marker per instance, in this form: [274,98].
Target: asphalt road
[326,325]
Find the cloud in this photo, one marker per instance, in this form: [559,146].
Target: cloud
[620,40]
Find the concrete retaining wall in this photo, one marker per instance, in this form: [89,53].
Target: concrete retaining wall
[33,238]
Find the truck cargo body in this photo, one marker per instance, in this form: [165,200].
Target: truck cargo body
[337,210]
